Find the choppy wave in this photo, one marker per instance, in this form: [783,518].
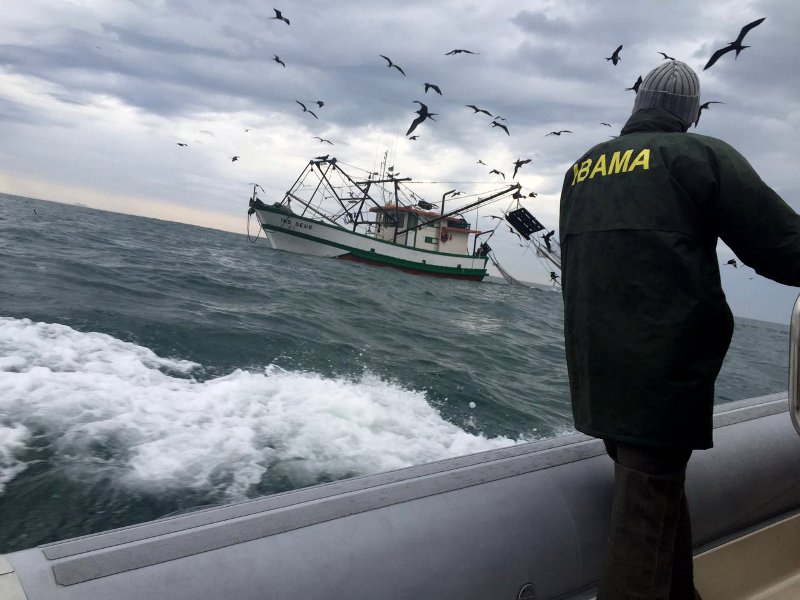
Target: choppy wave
[100,400]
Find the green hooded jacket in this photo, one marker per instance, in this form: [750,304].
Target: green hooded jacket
[646,323]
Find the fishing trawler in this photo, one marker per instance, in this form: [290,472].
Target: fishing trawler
[377,219]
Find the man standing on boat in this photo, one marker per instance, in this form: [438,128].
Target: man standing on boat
[646,323]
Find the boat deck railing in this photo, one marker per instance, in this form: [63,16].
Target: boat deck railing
[794,365]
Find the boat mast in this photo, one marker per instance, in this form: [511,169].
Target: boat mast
[319,183]
[307,204]
[324,177]
[396,206]
[365,190]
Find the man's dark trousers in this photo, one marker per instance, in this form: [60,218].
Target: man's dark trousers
[649,551]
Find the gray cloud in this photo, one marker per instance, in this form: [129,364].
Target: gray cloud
[126,80]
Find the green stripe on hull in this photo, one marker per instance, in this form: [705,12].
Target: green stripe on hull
[374,257]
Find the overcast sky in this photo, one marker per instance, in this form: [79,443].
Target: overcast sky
[96,94]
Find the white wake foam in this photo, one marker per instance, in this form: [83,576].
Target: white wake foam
[12,442]
[102,400]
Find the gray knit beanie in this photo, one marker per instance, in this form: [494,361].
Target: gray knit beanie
[674,87]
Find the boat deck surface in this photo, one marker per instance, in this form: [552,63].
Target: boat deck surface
[762,565]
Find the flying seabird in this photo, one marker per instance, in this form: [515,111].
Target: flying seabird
[477,110]
[322,157]
[181,144]
[517,164]
[558,132]
[391,64]
[433,87]
[423,114]
[277,59]
[501,126]
[546,237]
[503,175]
[735,44]
[413,137]
[733,263]
[615,57]
[459,51]
[319,103]
[278,15]
[480,162]
[604,123]
[666,56]
[311,112]
[514,232]
[636,85]
[323,140]
[704,106]
[234,158]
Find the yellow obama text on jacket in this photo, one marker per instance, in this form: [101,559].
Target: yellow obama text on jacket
[620,162]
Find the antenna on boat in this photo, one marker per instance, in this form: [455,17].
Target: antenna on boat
[445,196]
[254,203]
[255,185]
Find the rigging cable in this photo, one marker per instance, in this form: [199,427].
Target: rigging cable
[255,239]
[250,212]
[543,256]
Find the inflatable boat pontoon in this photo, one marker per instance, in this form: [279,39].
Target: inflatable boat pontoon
[527,521]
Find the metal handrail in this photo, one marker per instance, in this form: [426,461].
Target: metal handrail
[794,365]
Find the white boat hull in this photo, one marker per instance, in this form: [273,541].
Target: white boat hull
[313,237]
[279,240]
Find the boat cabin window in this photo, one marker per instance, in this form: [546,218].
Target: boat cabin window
[458,223]
[389,222]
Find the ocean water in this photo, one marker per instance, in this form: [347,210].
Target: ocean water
[150,367]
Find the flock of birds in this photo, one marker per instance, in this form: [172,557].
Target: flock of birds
[734,46]
[424,113]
